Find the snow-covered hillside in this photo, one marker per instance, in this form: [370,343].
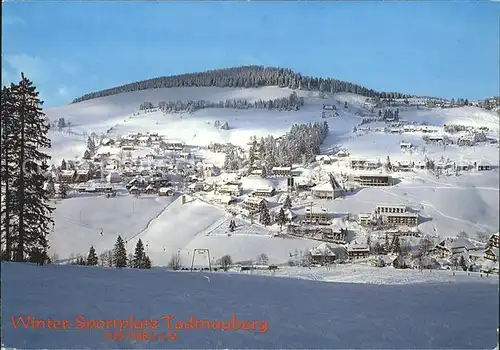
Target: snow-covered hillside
[469,202]
[289,313]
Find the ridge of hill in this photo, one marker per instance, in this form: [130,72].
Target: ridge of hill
[245,77]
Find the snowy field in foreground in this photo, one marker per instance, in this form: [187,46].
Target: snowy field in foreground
[299,314]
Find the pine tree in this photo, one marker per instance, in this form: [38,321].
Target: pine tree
[8,170]
[281,218]
[263,174]
[396,245]
[28,201]
[463,263]
[232,225]
[139,255]
[64,166]
[91,146]
[120,253]
[287,204]
[147,263]
[86,154]
[92,257]
[51,188]
[265,217]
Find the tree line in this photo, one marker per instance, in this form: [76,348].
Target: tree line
[117,257]
[292,103]
[245,77]
[26,213]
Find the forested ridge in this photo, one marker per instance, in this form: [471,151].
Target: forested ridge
[245,77]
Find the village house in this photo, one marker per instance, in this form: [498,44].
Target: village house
[420,165]
[435,139]
[316,215]
[197,186]
[165,191]
[334,235]
[342,154]
[405,146]
[373,180]
[363,164]
[449,246]
[83,175]
[230,189]
[404,166]
[282,171]
[328,190]
[403,219]
[134,190]
[150,189]
[67,176]
[358,251]
[225,199]
[323,159]
[113,177]
[326,253]
[253,204]
[365,219]
[264,192]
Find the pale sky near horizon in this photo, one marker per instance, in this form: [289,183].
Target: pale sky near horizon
[445,49]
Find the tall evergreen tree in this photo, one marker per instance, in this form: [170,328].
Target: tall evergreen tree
[120,253]
[396,245]
[26,137]
[265,217]
[287,204]
[8,161]
[92,257]
[139,255]
[281,218]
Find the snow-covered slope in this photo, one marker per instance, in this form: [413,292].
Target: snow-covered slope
[290,313]
[469,202]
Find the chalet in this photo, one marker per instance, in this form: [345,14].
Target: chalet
[323,254]
[127,148]
[83,175]
[225,200]
[113,177]
[435,139]
[134,190]
[404,166]
[373,180]
[316,215]
[282,171]
[449,246]
[395,130]
[492,253]
[357,251]
[405,145]
[323,159]
[107,142]
[328,190]
[150,189]
[197,186]
[67,176]
[342,153]
[334,235]
[420,165]
[409,128]
[494,240]
[264,192]
[463,167]
[230,189]
[166,191]
[253,204]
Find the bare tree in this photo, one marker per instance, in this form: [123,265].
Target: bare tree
[425,246]
[462,234]
[175,262]
[262,259]
[225,262]
[482,236]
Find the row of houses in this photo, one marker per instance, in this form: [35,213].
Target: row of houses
[327,253]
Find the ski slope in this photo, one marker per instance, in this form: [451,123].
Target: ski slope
[290,313]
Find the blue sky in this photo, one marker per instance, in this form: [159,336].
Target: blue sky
[448,49]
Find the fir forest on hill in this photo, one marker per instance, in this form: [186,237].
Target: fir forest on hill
[245,77]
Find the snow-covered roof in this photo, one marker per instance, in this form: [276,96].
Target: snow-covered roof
[323,249]
[316,210]
[358,247]
[165,189]
[327,186]
[254,200]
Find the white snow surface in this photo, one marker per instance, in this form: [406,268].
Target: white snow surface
[291,313]
[469,202]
